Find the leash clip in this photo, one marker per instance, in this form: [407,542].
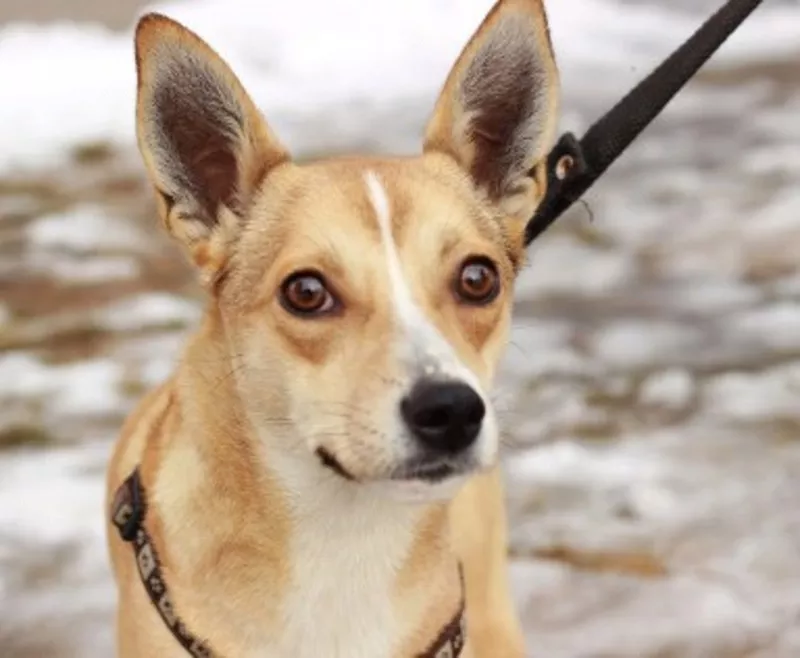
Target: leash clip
[566,163]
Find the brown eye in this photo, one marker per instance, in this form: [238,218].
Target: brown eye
[304,293]
[478,281]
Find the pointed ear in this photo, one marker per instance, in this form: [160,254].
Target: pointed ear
[498,112]
[204,143]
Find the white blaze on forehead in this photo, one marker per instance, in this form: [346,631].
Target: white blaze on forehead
[407,310]
[424,349]
[424,344]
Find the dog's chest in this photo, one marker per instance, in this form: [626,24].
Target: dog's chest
[342,602]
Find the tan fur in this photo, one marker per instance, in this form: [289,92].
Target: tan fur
[266,552]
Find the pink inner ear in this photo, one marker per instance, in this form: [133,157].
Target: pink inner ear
[504,89]
[201,127]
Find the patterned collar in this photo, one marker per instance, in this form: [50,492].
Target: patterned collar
[127,514]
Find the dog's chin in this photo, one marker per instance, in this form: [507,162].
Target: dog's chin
[433,471]
[427,482]
[413,481]
[419,491]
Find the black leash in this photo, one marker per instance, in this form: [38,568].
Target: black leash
[573,166]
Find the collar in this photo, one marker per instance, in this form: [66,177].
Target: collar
[128,513]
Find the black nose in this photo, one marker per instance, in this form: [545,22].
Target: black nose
[443,416]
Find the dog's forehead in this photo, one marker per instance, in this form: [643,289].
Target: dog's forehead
[427,205]
[323,216]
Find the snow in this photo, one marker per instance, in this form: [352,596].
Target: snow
[777,325]
[82,95]
[551,270]
[643,343]
[566,462]
[148,310]
[81,227]
[51,511]
[752,396]
[73,389]
[671,389]
[67,473]
[74,269]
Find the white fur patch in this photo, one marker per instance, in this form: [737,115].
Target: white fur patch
[346,550]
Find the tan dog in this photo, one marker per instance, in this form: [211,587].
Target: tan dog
[324,459]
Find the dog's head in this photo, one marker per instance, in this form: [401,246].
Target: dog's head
[366,302]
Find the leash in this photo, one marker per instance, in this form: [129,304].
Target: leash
[574,165]
[128,512]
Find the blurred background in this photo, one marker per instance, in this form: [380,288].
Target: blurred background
[651,396]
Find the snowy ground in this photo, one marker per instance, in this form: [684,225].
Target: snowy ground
[652,390]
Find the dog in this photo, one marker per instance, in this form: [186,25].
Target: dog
[319,476]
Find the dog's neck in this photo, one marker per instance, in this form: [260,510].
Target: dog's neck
[317,565]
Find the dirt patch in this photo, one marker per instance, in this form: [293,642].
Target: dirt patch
[24,436]
[118,14]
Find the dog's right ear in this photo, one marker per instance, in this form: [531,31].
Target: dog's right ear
[498,111]
[204,143]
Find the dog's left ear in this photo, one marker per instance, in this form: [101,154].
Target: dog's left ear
[498,112]
[205,144]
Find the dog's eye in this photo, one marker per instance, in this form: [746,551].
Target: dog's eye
[305,293]
[478,281]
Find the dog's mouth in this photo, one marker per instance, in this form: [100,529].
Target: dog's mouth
[328,460]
